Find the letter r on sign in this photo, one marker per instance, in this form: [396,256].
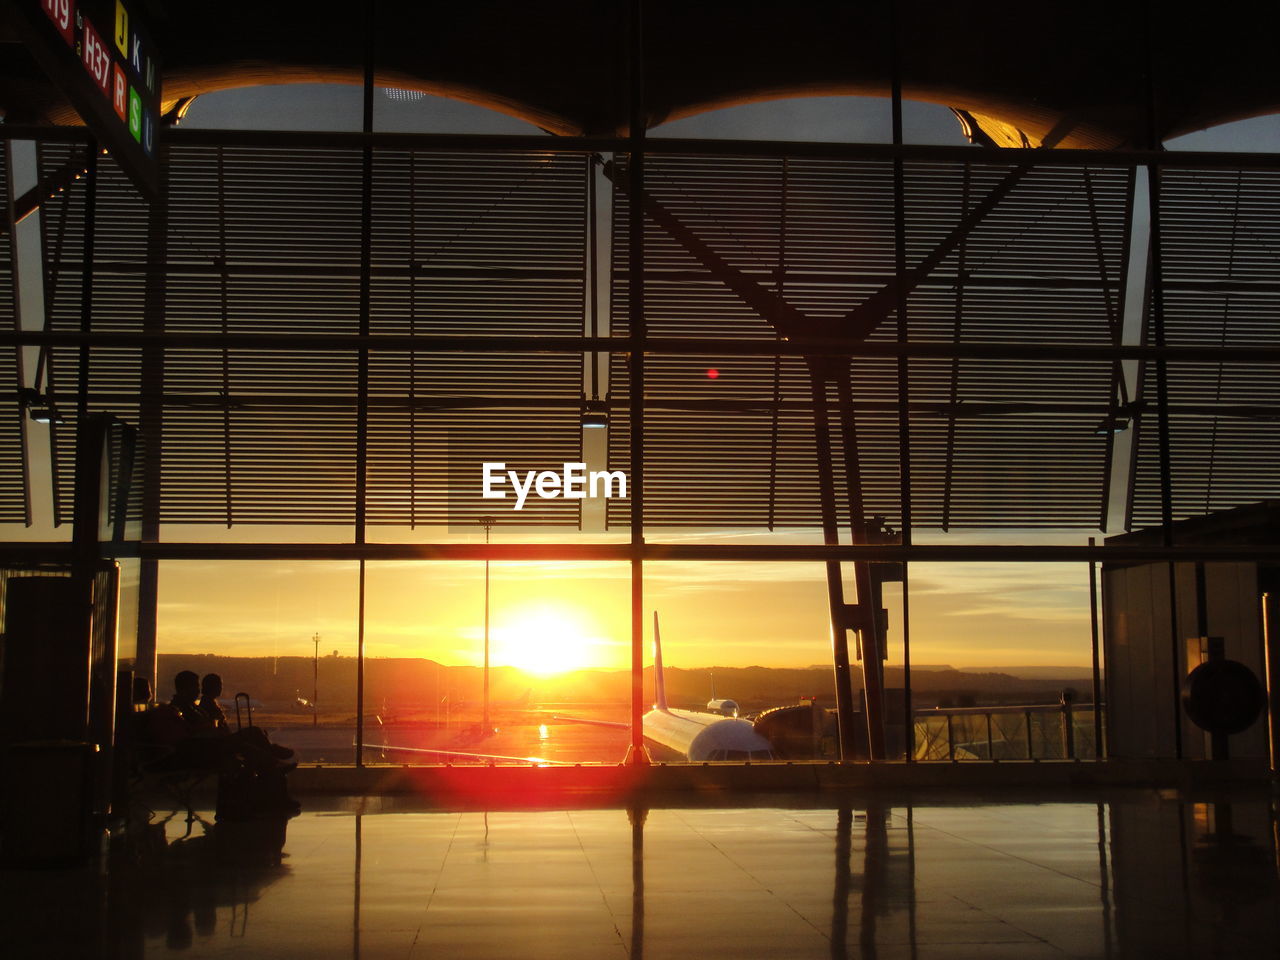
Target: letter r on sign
[120,94]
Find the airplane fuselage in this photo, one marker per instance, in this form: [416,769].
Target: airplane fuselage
[696,736]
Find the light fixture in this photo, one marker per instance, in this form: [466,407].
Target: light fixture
[400,93]
[41,408]
[1113,423]
[1119,418]
[595,414]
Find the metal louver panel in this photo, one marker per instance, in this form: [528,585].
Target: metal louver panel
[1220,251]
[1013,443]
[120,247]
[994,443]
[14,503]
[268,240]
[261,241]
[479,244]
[265,240]
[434,420]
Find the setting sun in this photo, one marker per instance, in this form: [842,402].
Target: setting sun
[545,640]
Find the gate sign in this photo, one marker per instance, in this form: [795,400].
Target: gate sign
[100,54]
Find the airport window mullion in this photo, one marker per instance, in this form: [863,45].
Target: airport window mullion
[637,330]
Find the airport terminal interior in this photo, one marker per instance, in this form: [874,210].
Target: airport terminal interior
[597,479]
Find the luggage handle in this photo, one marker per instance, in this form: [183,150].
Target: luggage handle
[248,708]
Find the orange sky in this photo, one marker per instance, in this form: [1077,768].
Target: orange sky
[716,613]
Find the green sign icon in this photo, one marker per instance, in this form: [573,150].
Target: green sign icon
[135,114]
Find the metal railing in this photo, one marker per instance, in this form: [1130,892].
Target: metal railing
[1053,731]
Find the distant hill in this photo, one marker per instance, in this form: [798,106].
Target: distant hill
[1034,673]
[421,683]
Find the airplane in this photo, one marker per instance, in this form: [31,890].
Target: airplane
[673,733]
[726,708]
[693,735]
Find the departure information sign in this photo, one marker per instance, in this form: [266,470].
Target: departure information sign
[100,54]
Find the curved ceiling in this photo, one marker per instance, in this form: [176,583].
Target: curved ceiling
[1053,73]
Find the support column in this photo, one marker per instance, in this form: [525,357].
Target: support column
[1271,650]
[151,422]
[362,360]
[21,291]
[635,382]
[835,577]
[904,391]
[866,615]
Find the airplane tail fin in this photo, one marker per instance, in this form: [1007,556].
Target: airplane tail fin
[659,678]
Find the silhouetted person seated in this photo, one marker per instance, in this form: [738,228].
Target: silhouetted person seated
[257,788]
[210,691]
[142,733]
[156,725]
[196,738]
[186,696]
[182,730]
[189,736]
[193,732]
[250,737]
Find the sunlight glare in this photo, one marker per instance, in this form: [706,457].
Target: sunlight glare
[545,641]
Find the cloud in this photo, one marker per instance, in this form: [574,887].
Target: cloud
[729,576]
[1029,591]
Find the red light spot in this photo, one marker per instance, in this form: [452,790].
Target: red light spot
[713,373]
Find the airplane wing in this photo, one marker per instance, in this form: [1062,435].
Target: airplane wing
[468,756]
[593,723]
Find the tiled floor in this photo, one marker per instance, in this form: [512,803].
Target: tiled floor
[1138,876]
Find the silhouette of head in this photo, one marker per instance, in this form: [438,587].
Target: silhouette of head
[186,685]
[211,686]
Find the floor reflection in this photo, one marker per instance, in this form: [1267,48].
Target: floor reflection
[1136,875]
[637,815]
[181,885]
[1215,860]
[172,886]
